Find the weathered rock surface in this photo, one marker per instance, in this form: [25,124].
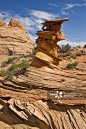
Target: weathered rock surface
[53,103]
[14,37]
[32,110]
[2,23]
[58,100]
[78,50]
[47,47]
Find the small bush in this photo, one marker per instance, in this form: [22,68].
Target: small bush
[84,85]
[61,57]
[24,66]
[24,61]
[18,66]
[9,60]
[13,67]
[31,88]
[30,59]
[9,75]
[28,56]
[10,52]
[72,65]
[2,73]
[73,56]
[65,49]
[33,52]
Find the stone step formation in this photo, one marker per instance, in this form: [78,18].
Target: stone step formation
[46,50]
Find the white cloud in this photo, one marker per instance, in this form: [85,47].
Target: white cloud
[73,11]
[73,44]
[84,4]
[37,22]
[1,16]
[4,14]
[43,14]
[55,5]
[68,6]
[64,13]
[31,22]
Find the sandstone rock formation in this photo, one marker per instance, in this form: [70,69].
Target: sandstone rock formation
[14,37]
[58,100]
[46,51]
[44,71]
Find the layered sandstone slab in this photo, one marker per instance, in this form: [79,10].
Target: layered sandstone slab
[51,35]
[40,115]
[48,46]
[44,55]
[14,37]
[38,108]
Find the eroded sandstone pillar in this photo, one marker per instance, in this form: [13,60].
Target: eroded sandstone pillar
[46,50]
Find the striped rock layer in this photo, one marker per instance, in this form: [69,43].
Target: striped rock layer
[46,50]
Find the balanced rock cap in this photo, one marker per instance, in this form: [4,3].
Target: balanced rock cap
[55,20]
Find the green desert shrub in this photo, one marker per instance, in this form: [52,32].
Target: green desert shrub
[10,52]
[65,49]
[33,52]
[72,65]
[9,60]
[31,88]
[18,66]
[73,56]
[2,73]
[12,70]
[84,85]
[9,75]
[28,56]
[13,67]
[61,57]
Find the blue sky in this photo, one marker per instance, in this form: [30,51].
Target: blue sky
[33,12]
